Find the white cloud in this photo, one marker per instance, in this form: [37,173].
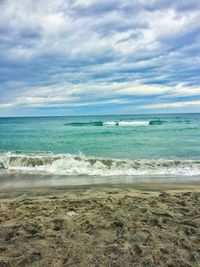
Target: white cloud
[61,31]
[90,94]
[174,104]
[91,52]
[138,89]
[7,105]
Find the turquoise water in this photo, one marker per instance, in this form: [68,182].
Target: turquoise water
[177,137]
[130,145]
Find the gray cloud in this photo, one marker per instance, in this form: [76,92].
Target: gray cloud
[90,49]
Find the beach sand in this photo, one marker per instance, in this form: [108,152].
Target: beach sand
[119,225]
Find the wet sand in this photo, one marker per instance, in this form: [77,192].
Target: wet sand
[118,225]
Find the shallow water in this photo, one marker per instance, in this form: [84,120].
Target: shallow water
[8,182]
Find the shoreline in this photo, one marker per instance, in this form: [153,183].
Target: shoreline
[115,225]
[45,191]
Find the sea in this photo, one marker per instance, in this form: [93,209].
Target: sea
[85,150]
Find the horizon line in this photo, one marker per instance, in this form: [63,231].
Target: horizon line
[93,115]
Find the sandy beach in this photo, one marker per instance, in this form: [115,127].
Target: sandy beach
[119,225]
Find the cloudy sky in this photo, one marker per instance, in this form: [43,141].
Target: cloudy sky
[63,57]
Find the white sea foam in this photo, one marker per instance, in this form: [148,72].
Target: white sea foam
[68,164]
[110,123]
[133,123]
[126,123]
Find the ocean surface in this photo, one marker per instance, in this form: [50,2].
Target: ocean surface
[99,149]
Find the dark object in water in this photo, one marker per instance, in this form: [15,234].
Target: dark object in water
[156,122]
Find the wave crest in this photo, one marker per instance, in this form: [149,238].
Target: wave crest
[68,164]
[115,123]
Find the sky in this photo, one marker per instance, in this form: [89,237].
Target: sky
[87,57]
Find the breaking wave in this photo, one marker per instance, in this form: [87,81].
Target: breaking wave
[115,123]
[67,164]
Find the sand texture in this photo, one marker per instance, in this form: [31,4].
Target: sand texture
[101,227]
